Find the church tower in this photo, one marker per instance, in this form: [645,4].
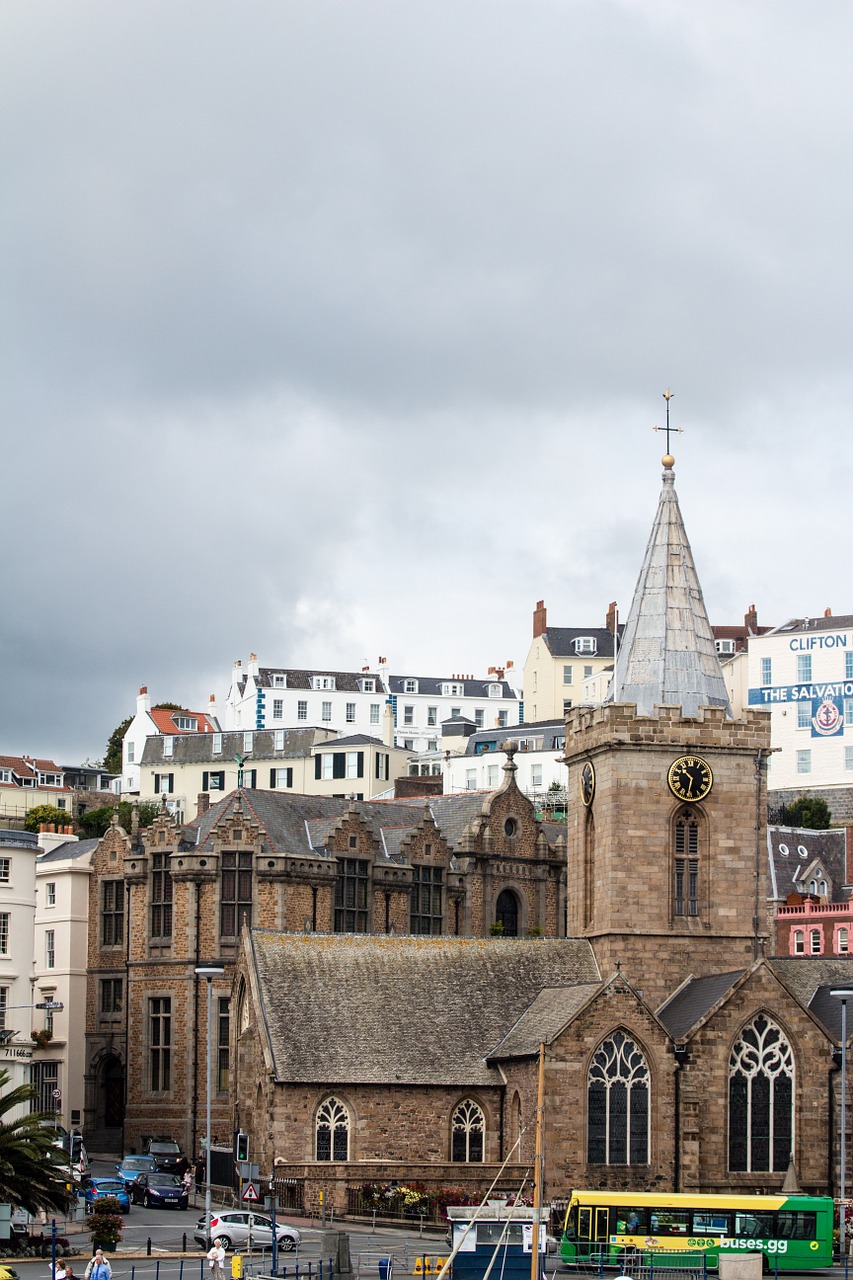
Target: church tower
[667,790]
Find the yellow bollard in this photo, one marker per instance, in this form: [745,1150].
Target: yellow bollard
[236,1266]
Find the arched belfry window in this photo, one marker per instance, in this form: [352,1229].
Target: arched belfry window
[333,1131]
[685,886]
[618,1103]
[761,1099]
[468,1128]
[506,913]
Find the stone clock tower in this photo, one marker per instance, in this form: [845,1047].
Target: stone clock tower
[667,791]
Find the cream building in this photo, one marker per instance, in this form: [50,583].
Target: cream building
[560,661]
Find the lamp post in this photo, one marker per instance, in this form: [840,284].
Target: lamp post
[208,971]
[843,994]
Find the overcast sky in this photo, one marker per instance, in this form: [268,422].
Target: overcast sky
[335,330]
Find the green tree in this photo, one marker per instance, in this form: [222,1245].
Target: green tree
[810,812]
[112,756]
[46,813]
[32,1169]
[95,822]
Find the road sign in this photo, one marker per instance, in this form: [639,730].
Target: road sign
[56,1005]
[250,1191]
[56,1095]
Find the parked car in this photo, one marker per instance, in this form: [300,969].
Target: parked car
[104,1189]
[156,1190]
[233,1228]
[131,1167]
[166,1154]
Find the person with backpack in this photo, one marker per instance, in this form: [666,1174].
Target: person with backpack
[99,1267]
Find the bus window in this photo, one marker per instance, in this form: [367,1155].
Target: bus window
[631,1222]
[670,1222]
[711,1224]
[797,1226]
[755,1226]
[571,1229]
[584,1231]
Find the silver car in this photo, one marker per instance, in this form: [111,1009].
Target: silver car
[238,1226]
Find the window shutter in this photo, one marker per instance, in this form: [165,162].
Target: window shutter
[387,767]
[376,764]
[253,779]
[290,777]
[156,784]
[360,773]
[220,779]
[171,783]
[318,765]
[339,764]
[205,780]
[272,779]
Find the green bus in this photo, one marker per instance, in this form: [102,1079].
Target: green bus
[793,1232]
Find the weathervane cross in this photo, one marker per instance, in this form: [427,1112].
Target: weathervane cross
[667,395]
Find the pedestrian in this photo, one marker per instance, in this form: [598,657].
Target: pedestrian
[99,1268]
[59,1269]
[216,1260]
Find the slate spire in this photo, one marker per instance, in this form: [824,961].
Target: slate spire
[667,653]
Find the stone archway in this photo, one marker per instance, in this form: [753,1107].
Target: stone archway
[109,1105]
[506,913]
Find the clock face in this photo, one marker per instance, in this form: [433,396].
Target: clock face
[690,778]
[587,783]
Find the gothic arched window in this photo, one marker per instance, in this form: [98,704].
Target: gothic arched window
[506,913]
[468,1127]
[685,878]
[333,1131]
[761,1099]
[618,1103]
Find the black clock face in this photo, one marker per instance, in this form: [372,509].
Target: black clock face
[587,783]
[690,778]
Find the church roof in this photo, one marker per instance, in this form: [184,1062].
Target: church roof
[551,1011]
[668,653]
[693,1000]
[810,980]
[356,1009]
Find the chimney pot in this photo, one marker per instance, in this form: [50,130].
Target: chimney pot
[143,688]
[827,613]
[540,623]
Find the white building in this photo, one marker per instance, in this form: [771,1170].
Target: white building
[18,853]
[538,759]
[151,721]
[353,702]
[803,672]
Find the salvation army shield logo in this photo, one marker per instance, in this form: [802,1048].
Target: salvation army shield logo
[828,718]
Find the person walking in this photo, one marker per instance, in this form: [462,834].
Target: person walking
[216,1260]
[99,1268]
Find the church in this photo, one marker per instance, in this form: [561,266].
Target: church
[678,1054]
[393,970]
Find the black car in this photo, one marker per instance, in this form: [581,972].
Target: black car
[166,1154]
[156,1190]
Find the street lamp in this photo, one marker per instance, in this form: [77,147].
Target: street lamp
[209,971]
[843,994]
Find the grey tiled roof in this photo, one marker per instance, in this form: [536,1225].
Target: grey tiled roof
[70,849]
[804,849]
[841,623]
[550,731]
[805,976]
[668,653]
[345,681]
[197,748]
[692,1001]
[431,685]
[342,1008]
[561,641]
[552,1010]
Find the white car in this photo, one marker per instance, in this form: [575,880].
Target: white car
[235,1226]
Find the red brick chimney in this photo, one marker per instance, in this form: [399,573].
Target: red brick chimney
[203,803]
[750,620]
[612,620]
[539,619]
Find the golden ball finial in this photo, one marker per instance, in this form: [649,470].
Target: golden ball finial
[668,461]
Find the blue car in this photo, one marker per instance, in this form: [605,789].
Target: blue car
[131,1167]
[157,1190]
[95,1189]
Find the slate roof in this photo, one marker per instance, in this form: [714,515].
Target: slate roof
[345,1008]
[667,653]
[196,748]
[804,848]
[345,681]
[552,733]
[810,978]
[431,685]
[543,1020]
[353,740]
[842,623]
[693,1000]
[70,849]
[561,641]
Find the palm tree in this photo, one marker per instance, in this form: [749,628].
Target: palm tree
[33,1171]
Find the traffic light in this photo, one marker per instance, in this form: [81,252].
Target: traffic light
[242,1148]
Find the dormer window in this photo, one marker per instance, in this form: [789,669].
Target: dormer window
[724,646]
[248,740]
[368,685]
[585,644]
[495,691]
[410,686]
[187,724]
[217,744]
[50,779]
[322,682]
[168,745]
[453,690]
[279,680]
